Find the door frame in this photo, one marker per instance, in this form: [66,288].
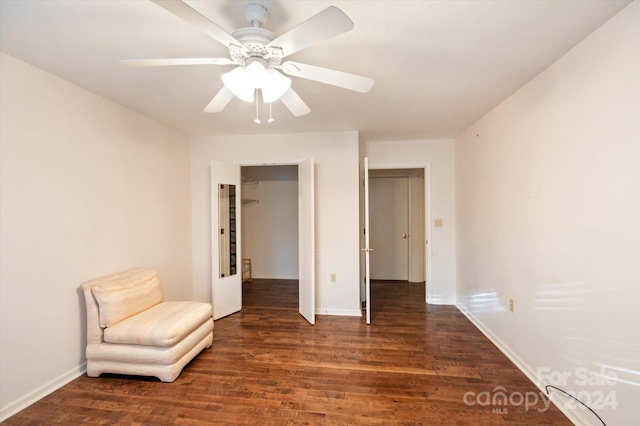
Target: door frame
[299,162]
[426,167]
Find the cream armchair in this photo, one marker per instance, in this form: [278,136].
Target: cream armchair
[131,330]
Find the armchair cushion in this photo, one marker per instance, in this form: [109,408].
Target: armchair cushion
[162,325]
[122,298]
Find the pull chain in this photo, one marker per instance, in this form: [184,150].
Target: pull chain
[257,120]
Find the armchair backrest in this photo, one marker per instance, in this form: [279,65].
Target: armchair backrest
[115,297]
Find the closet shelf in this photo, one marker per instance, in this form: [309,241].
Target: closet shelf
[249,180]
[254,184]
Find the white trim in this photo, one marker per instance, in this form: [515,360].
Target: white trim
[42,391]
[574,416]
[340,312]
[449,302]
[427,234]
[250,163]
[499,343]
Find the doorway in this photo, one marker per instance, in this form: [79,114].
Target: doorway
[412,214]
[397,224]
[227,290]
[270,235]
[270,220]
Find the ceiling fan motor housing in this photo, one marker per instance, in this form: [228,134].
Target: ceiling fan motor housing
[255,40]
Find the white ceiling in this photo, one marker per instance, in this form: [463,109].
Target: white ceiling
[438,66]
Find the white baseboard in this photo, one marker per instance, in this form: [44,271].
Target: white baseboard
[39,393]
[431,301]
[573,416]
[340,312]
[44,390]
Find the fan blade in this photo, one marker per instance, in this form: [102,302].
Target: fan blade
[322,26]
[176,61]
[195,18]
[295,104]
[220,101]
[328,76]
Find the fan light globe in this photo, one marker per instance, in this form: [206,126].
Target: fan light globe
[243,82]
[236,82]
[255,75]
[275,86]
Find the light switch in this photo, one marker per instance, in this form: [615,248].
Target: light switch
[437,223]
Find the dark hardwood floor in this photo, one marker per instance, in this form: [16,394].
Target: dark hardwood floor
[415,364]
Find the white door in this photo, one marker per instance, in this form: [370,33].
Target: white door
[226,276]
[389,201]
[306,241]
[367,249]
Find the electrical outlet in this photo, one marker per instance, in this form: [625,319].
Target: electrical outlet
[511,305]
[333,278]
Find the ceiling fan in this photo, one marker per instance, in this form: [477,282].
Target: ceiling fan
[258,56]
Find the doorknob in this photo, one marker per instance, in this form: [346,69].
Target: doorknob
[405,236]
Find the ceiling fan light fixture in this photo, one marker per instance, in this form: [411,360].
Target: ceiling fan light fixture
[235,81]
[274,86]
[259,53]
[255,74]
[243,82]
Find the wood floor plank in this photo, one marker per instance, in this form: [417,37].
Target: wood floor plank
[413,365]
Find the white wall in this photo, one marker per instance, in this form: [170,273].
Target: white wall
[439,156]
[270,226]
[87,188]
[548,213]
[336,190]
